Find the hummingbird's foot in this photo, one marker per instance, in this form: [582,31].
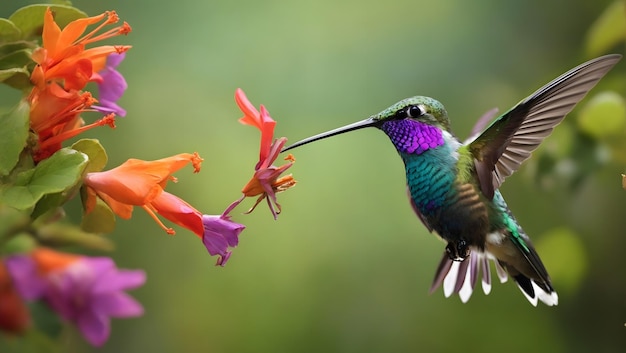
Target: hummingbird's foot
[458,250]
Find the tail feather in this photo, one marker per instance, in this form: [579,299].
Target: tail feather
[534,292]
[461,278]
[499,269]
[486,282]
[442,271]
[526,286]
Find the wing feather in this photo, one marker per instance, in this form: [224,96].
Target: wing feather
[509,140]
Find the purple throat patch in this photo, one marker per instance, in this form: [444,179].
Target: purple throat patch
[413,137]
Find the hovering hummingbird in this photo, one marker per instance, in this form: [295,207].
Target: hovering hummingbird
[453,185]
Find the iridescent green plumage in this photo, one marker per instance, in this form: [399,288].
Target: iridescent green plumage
[453,186]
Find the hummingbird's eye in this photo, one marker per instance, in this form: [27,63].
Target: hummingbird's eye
[415,111]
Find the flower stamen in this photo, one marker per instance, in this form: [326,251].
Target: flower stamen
[107,120]
[196,162]
[78,105]
[150,211]
[91,37]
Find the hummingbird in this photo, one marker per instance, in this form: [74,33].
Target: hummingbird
[453,185]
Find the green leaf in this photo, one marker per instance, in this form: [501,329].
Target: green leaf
[50,202]
[97,154]
[604,115]
[8,48]
[59,173]
[608,30]
[29,19]
[62,234]
[61,2]
[17,59]
[14,127]
[97,159]
[8,31]
[14,68]
[8,73]
[18,78]
[100,220]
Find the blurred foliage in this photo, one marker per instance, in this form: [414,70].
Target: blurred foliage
[564,243]
[347,267]
[603,116]
[608,30]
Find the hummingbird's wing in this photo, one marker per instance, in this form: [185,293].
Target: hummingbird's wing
[481,124]
[510,139]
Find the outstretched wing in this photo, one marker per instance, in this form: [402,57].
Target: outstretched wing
[509,140]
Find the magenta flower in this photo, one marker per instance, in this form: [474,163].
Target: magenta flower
[86,291]
[111,86]
[220,233]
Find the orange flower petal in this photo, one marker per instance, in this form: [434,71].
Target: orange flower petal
[253,188]
[251,115]
[267,135]
[48,260]
[124,211]
[72,32]
[178,211]
[51,32]
[52,105]
[64,49]
[137,182]
[128,185]
[76,74]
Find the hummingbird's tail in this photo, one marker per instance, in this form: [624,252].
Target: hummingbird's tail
[527,270]
[461,278]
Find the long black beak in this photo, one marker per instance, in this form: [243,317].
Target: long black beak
[350,127]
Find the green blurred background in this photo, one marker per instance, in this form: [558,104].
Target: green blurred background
[347,266]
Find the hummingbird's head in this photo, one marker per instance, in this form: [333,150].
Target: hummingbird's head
[414,125]
[407,123]
[419,108]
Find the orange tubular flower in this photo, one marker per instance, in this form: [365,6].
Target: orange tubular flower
[63,69]
[141,183]
[64,57]
[55,116]
[178,211]
[266,180]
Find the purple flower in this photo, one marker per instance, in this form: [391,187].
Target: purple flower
[111,86]
[219,234]
[86,291]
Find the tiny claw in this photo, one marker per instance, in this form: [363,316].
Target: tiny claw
[458,250]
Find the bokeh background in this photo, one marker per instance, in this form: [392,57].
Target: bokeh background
[347,266]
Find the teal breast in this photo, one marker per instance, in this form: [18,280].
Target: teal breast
[430,177]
